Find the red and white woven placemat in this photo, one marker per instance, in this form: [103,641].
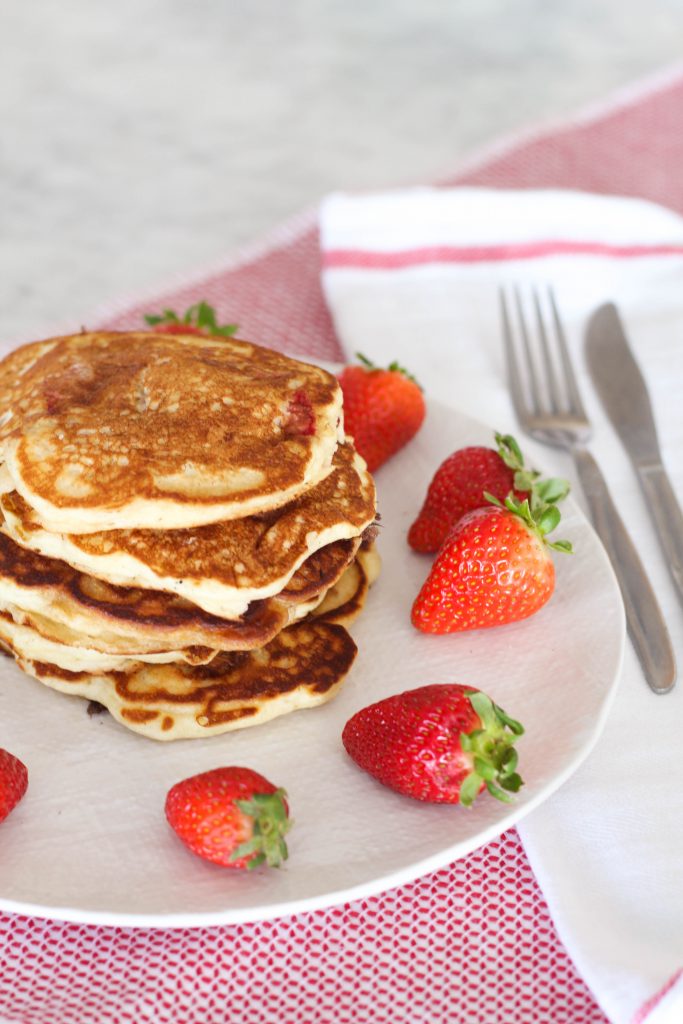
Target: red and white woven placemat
[470,944]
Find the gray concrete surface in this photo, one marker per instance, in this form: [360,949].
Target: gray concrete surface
[142,138]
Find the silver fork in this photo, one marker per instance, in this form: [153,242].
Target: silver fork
[549,408]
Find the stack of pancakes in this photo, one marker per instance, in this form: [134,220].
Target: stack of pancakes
[184,529]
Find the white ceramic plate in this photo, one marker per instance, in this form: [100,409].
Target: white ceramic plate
[90,842]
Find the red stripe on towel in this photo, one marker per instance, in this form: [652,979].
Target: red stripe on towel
[650,1005]
[369,260]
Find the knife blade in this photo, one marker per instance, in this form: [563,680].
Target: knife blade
[622,388]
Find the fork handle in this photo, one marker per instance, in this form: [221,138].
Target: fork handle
[644,619]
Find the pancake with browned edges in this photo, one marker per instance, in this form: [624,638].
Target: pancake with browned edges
[20,635]
[344,601]
[137,430]
[224,566]
[185,531]
[36,637]
[69,606]
[302,667]
[124,620]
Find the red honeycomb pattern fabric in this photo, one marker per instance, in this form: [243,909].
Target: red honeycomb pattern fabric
[470,944]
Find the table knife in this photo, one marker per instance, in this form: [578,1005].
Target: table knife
[624,394]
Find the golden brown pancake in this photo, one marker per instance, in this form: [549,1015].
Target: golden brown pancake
[35,637]
[303,666]
[344,601]
[125,620]
[224,566]
[103,649]
[137,430]
[319,572]
[20,635]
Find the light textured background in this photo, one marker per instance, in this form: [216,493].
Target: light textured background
[142,138]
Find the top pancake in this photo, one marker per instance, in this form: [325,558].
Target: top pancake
[135,430]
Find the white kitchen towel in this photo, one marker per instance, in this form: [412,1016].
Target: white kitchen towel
[414,275]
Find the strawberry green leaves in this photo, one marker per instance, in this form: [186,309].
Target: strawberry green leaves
[541,492]
[539,516]
[539,510]
[201,318]
[511,454]
[393,367]
[494,758]
[270,824]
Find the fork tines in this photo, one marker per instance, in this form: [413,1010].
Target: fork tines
[542,382]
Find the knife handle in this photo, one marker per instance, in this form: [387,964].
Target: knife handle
[668,519]
[644,620]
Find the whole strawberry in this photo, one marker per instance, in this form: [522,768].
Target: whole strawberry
[459,484]
[383,409]
[232,816]
[197,319]
[13,782]
[493,568]
[443,743]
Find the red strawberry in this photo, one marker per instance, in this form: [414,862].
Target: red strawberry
[383,409]
[493,568]
[231,816]
[443,743]
[198,319]
[13,782]
[459,484]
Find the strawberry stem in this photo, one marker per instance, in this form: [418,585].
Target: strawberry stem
[494,759]
[541,492]
[511,454]
[268,812]
[393,367]
[540,518]
[201,315]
